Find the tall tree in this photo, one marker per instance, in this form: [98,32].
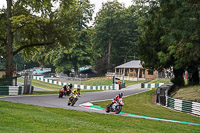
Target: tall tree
[106,25]
[78,53]
[26,30]
[170,35]
[115,33]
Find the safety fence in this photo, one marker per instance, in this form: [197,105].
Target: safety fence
[51,81]
[152,85]
[183,106]
[13,90]
[175,104]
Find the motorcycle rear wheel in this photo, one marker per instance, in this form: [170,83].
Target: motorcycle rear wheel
[108,108]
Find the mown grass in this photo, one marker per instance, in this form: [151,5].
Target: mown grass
[141,104]
[54,88]
[160,80]
[20,118]
[90,82]
[106,82]
[188,93]
[41,84]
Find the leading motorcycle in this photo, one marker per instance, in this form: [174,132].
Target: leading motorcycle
[116,106]
[73,99]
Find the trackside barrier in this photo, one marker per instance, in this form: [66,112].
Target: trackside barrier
[176,104]
[183,106]
[11,90]
[153,85]
[113,87]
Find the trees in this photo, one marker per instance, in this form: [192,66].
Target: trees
[115,34]
[78,53]
[26,31]
[170,35]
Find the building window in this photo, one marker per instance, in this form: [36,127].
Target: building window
[150,72]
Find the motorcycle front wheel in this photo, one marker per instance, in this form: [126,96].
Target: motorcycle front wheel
[118,109]
[74,101]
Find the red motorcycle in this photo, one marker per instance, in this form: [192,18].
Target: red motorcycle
[68,92]
[61,92]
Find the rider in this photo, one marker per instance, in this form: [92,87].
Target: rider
[120,95]
[65,88]
[76,91]
[70,86]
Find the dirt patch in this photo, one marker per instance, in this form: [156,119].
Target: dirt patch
[154,98]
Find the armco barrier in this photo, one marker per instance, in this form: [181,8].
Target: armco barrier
[177,104]
[11,90]
[183,106]
[153,85]
[113,87]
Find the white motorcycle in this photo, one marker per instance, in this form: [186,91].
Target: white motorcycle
[116,107]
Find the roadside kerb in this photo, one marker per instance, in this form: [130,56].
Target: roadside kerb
[113,87]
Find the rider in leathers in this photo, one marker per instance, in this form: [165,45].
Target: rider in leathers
[116,99]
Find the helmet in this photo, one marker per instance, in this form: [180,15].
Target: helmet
[120,95]
[78,89]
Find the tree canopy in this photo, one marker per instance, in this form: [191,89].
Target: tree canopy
[25,29]
[169,35]
[115,34]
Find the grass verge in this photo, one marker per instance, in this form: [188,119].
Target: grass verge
[141,104]
[160,80]
[41,84]
[188,93]
[17,118]
[106,82]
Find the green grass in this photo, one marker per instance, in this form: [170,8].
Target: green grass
[160,80]
[188,93]
[141,104]
[41,84]
[20,118]
[53,87]
[90,82]
[106,82]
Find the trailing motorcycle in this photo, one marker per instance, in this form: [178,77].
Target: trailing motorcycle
[73,99]
[68,92]
[61,93]
[115,107]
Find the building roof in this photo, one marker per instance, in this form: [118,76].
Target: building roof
[131,64]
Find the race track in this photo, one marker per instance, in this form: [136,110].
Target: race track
[86,99]
[54,101]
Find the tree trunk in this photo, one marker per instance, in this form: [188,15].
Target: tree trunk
[75,70]
[9,46]
[109,52]
[178,79]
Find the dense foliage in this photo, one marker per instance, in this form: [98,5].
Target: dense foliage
[169,35]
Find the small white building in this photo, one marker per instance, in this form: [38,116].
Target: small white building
[134,71]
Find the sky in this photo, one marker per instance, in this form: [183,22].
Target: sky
[97,3]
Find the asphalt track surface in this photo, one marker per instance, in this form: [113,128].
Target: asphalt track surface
[55,102]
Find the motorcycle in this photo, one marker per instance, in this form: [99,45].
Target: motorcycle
[61,93]
[68,92]
[72,99]
[116,107]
